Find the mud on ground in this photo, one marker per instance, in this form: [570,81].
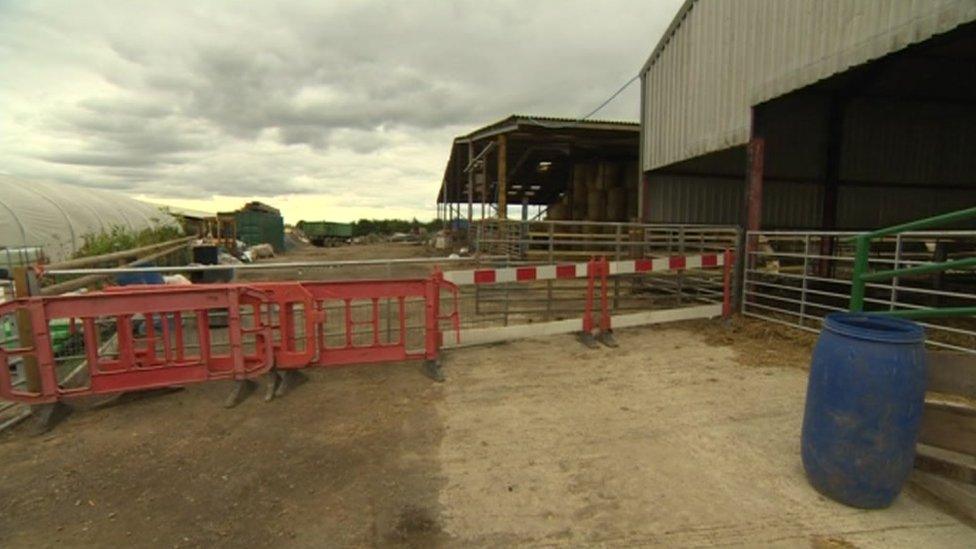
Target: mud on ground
[757,343]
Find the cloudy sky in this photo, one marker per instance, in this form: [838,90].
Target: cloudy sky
[326,109]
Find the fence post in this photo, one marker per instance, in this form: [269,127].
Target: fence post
[588,303]
[681,274]
[552,231]
[25,285]
[616,257]
[741,257]
[862,248]
[604,299]
[389,327]
[727,259]
[894,280]
[803,283]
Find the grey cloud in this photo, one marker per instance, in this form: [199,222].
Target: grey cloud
[97,159]
[193,99]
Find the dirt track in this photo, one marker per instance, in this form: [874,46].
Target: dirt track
[346,253]
[671,439]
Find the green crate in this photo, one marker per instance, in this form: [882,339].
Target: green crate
[257,227]
[326,229]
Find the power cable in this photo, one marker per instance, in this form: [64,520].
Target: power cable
[591,113]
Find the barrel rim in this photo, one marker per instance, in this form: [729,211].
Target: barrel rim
[874,327]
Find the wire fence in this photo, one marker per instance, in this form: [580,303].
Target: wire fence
[580,240]
[797,277]
[552,242]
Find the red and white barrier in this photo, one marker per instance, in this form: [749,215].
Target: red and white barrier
[596,314]
[579,270]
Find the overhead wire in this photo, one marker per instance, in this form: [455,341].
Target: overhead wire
[577,122]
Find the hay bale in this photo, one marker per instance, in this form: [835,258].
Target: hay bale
[609,176]
[596,207]
[616,204]
[633,201]
[557,212]
[582,174]
[631,179]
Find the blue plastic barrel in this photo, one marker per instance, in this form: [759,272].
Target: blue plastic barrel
[146,277]
[864,405]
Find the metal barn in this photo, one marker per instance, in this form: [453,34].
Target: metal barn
[802,121]
[810,114]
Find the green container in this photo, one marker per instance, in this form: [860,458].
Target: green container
[322,232]
[60,332]
[259,227]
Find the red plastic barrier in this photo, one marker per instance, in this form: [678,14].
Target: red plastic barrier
[158,358]
[162,335]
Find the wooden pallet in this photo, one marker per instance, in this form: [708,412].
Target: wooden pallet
[946,454]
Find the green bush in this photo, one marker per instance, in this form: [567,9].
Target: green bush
[120,238]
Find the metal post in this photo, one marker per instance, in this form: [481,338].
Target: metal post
[502,177]
[484,186]
[552,230]
[470,186]
[507,287]
[618,234]
[894,280]
[803,288]
[681,273]
[389,328]
[861,250]
[754,192]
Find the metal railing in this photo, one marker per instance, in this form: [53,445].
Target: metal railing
[549,242]
[580,240]
[797,277]
[861,276]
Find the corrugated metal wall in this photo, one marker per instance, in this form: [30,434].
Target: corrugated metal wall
[791,205]
[912,143]
[873,207]
[900,160]
[710,200]
[727,55]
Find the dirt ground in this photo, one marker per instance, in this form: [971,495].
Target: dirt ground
[383,250]
[679,437]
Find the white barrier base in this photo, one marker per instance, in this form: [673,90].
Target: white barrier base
[482,336]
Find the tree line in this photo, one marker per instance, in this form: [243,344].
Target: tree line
[365,227]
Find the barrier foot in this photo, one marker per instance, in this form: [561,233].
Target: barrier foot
[433,370]
[47,416]
[274,381]
[290,379]
[242,389]
[606,338]
[586,338]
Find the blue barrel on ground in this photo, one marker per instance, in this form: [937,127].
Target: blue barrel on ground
[864,405]
[145,277]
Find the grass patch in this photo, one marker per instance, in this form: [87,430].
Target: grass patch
[120,238]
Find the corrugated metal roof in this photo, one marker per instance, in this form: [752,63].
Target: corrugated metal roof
[720,57]
[186,212]
[513,122]
[538,129]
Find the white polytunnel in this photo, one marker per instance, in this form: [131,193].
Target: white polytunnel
[56,217]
